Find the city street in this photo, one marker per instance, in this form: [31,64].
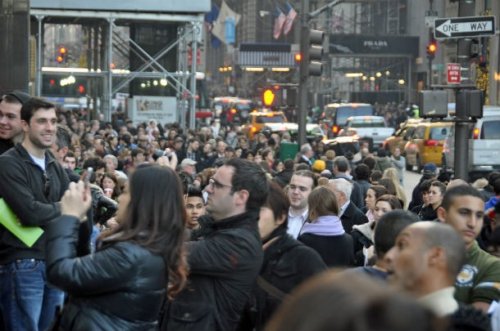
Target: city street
[410,181]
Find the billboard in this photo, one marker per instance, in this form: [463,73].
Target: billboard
[146,108]
[362,44]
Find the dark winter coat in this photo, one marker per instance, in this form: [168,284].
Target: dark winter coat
[33,195]
[224,265]
[287,263]
[336,251]
[120,287]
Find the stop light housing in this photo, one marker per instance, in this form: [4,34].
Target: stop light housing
[432,48]
[316,38]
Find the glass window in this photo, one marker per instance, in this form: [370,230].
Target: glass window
[438,133]
[491,130]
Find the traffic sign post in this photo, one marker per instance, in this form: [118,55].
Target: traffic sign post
[463,27]
[454,73]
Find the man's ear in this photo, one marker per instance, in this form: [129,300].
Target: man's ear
[281,219]
[441,214]
[242,196]
[437,257]
[25,125]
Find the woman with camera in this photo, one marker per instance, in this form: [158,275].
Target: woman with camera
[122,285]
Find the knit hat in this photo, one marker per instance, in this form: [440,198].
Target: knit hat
[20,96]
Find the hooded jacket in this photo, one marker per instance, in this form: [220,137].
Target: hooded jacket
[33,195]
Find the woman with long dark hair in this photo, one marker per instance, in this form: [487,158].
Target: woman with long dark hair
[122,285]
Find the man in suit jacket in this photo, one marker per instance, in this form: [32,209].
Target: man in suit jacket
[341,169]
[349,214]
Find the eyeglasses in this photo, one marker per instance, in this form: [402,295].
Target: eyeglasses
[216,184]
[46,184]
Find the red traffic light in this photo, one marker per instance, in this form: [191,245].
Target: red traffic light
[81,89]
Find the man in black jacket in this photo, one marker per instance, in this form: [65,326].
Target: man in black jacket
[287,262]
[225,261]
[10,118]
[32,184]
[349,214]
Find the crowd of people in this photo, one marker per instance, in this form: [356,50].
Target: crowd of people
[150,226]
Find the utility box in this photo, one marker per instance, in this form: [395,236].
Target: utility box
[433,104]
[470,103]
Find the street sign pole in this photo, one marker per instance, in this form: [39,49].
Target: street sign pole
[461,157]
[303,71]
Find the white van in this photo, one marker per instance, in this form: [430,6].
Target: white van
[484,144]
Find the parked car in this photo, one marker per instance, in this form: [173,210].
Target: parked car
[368,128]
[401,136]
[484,144]
[426,144]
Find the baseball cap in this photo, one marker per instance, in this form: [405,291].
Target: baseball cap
[186,162]
[430,169]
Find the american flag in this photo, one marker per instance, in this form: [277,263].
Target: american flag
[290,17]
[279,20]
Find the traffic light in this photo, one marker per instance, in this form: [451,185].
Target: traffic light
[268,97]
[297,57]
[431,49]
[81,89]
[316,38]
[62,54]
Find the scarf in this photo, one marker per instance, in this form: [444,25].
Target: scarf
[328,225]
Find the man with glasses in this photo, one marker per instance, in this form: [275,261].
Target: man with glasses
[33,183]
[226,259]
[10,119]
[301,185]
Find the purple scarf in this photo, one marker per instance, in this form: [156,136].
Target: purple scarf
[324,226]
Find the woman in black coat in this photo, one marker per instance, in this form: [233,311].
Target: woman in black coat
[122,285]
[324,232]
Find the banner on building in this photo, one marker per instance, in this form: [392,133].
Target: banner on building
[146,108]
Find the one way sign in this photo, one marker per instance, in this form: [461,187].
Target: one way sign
[460,27]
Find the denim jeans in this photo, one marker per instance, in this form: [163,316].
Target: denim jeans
[27,302]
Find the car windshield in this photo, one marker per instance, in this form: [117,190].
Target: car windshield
[368,124]
[343,113]
[270,119]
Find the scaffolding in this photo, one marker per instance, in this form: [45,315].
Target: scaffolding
[104,40]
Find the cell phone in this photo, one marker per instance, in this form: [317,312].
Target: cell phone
[86,176]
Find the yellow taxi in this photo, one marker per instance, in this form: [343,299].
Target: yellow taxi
[426,144]
[273,121]
[401,136]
